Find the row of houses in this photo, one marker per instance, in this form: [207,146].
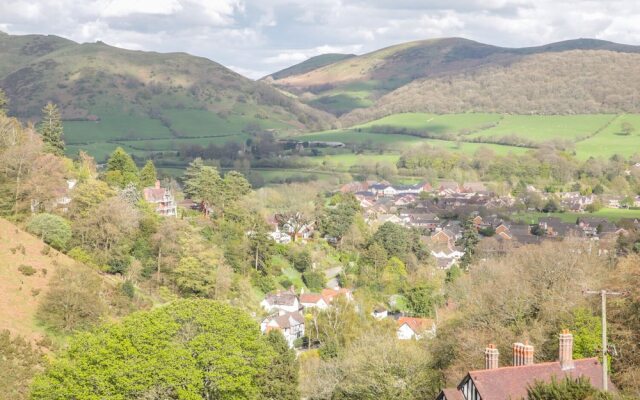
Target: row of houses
[388,190]
[286,306]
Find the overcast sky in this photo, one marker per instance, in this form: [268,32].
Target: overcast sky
[256,37]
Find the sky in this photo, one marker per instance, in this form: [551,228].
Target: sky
[257,37]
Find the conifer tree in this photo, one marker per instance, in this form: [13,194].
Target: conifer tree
[51,129]
[4,102]
[121,169]
[148,174]
[282,374]
[191,178]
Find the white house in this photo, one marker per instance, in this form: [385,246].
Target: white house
[283,301]
[314,300]
[291,324]
[380,313]
[415,328]
[163,200]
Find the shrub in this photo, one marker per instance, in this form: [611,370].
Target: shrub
[53,229]
[128,289]
[26,270]
[313,280]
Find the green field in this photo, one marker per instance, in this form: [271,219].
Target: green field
[612,214]
[433,123]
[612,139]
[541,128]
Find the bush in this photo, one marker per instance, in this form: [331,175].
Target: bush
[265,283]
[27,270]
[73,301]
[128,289]
[53,229]
[301,260]
[313,280]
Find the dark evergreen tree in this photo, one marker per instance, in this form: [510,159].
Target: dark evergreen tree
[282,375]
[148,174]
[4,103]
[51,129]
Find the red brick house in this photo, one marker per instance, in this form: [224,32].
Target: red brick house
[163,200]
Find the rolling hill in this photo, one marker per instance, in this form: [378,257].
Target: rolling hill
[386,78]
[109,93]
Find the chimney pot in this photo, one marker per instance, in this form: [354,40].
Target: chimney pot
[565,352]
[491,357]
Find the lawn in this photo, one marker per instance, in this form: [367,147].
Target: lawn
[541,128]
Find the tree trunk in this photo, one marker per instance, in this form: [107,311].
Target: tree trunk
[159,261]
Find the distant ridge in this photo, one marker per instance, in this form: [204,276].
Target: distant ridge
[309,65]
[363,81]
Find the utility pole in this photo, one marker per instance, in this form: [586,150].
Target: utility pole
[605,361]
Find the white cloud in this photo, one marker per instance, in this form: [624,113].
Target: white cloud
[123,8]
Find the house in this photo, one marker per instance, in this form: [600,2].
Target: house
[380,313]
[415,328]
[282,301]
[511,382]
[65,199]
[443,236]
[331,294]
[314,300]
[280,237]
[163,200]
[291,324]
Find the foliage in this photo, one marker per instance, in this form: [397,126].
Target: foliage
[314,280]
[338,216]
[375,366]
[194,278]
[51,129]
[587,333]
[72,301]
[189,349]
[121,169]
[422,299]
[4,102]
[148,174]
[567,389]
[27,270]
[52,229]
[19,362]
[281,378]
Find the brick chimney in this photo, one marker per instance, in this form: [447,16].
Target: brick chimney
[518,354]
[528,353]
[491,356]
[566,350]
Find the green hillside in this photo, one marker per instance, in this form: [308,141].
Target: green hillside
[107,94]
[361,82]
[309,65]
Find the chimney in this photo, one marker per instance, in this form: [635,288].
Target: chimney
[528,353]
[566,350]
[157,184]
[518,354]
[491,355]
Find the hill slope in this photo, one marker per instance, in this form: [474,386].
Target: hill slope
[22,294]
[362,81]
[309,65]
[116,93]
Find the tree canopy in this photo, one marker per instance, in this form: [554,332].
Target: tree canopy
[187,350]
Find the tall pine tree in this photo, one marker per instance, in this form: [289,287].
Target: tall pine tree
[191,178]
[148,174]
[51,129]
[4,103]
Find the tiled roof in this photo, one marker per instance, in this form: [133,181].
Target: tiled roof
[511,382]
[285,298]
[287,320]
[416,324]
[312,298]
[450,394]
[154,195]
